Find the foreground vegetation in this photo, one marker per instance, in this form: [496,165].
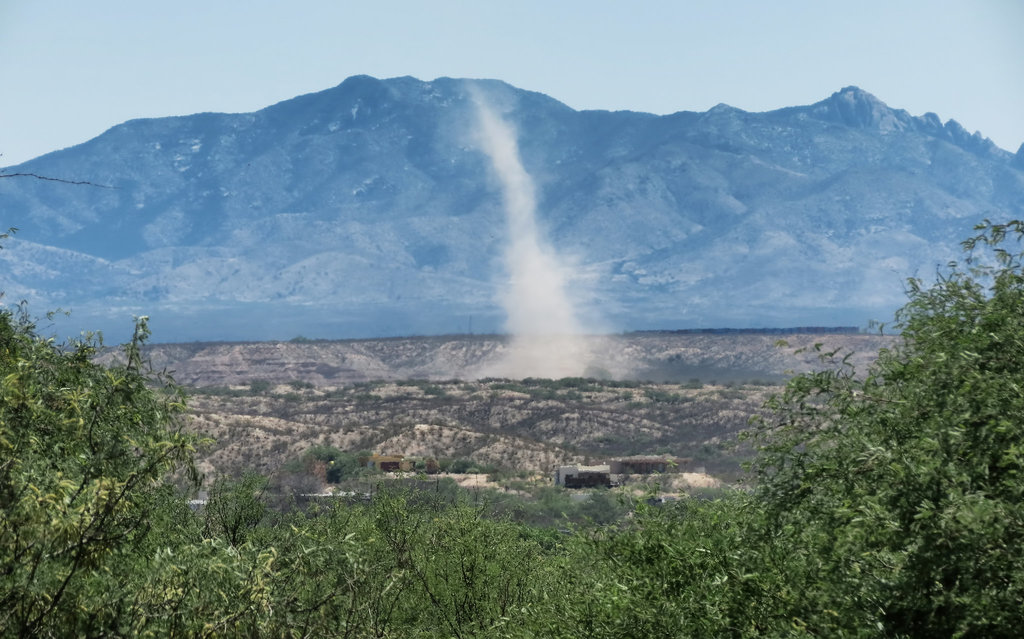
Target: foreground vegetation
[887,504]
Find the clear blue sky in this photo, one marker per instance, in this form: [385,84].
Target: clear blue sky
[70,69]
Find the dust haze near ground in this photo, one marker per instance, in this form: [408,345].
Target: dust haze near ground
[658,357]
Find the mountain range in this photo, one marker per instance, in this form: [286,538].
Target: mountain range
[369,210]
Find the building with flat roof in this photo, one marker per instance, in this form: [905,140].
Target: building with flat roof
[583,476]
[387,463]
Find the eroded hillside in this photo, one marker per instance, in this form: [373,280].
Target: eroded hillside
[266,403]
[530,425]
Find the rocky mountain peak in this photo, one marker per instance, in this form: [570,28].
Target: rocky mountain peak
[856,107]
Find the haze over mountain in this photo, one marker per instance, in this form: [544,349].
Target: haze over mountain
[369,209]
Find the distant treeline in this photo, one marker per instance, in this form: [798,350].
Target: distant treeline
[817,330]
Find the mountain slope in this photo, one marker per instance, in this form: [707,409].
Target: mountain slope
[367,210]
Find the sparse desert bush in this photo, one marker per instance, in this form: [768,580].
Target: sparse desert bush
[259,386]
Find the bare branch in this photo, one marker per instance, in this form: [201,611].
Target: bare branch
[61,180]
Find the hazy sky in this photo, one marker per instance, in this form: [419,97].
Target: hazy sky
[70,69]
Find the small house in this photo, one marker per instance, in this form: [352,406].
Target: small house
[583,476]
[387,463]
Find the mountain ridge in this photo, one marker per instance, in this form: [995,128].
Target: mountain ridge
[367,210]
